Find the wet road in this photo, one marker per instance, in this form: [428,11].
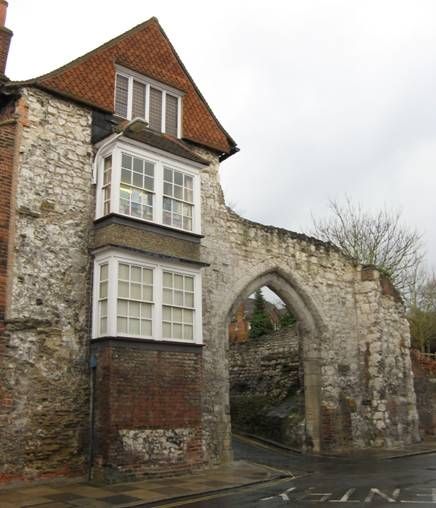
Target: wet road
[407,482]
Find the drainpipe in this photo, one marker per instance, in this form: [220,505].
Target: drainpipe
[92,375]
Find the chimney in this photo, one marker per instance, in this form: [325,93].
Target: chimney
[5,38]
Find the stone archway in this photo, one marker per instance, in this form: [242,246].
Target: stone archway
[310,328]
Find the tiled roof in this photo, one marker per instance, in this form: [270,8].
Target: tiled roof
[147,50]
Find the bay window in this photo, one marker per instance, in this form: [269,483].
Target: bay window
[148,186]
[140,298]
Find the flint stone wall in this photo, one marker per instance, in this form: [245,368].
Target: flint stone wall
[268,366]
[45,369]
[266,387]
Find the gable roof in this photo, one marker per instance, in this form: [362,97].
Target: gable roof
[90,79]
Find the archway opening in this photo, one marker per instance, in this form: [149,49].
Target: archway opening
[266,370]
[274,375]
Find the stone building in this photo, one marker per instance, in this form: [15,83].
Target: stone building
[120,266]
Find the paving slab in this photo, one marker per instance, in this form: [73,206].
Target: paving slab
[123,495]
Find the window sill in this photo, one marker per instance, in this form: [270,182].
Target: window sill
[150,344]
[115,218]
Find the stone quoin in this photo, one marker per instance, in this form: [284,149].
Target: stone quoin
[121,267]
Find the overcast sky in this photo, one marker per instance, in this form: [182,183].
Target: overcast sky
[324,98]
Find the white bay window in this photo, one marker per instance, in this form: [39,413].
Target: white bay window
[140,298]
[148,186]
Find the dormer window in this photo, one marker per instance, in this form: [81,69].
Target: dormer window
[139,97]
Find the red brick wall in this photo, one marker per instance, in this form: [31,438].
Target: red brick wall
[8,129]
[155,392]
[424,373]
[5,41]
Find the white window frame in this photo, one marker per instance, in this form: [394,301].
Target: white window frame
[114,256]
[160,161]
[149,82]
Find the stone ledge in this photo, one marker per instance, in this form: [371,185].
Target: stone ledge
[152,345]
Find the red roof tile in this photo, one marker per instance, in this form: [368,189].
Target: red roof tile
[147,50]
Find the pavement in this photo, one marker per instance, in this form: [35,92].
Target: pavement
[96,495]
[264,475]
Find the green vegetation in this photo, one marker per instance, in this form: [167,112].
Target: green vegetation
[260,321]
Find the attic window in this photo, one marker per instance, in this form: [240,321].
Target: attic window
[140,97]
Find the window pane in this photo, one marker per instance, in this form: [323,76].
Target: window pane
[147,276]
[187,224]
[146,327]
[166,217]
[188,182]
[103,272]
[177,221]
[189,300]
[138,100]
[178,178]
[103,308]
[148,168]
[155,114]
[178,192]
[123,271]
[166,312]
[136,274]
[177,331]
[122,325]
[167,296]
[122,308]
[138,165]
[138,180]
[189,283]
[135,291]
[177,315]
[146,310]
[148,183]
[168,190]
[123,289]
[178,281]
[188,332]
[168,280]
[134,326]
[126,161]
[168,175]
[171,115]
[178,298]
[166,330]
[134,309]
[121,95]
[126,176]
[188,316]
[103,326]
[103,290]
[124,207]
[135,210]
[147,293]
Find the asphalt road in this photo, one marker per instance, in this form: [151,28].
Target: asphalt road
[407,482]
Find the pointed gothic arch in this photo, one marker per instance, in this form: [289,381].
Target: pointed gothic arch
[311,328]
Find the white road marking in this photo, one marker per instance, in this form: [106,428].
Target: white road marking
[373,492]
[345,498]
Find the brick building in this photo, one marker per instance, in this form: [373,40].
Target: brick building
[121,267]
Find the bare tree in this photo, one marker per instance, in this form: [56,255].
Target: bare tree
[378,239]
[422,313]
